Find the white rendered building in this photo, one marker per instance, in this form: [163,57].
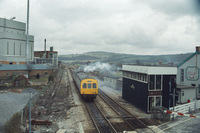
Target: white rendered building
[188,78]
[13,42]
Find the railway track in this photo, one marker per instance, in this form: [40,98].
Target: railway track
[135,123]
[120,120]
[101,123]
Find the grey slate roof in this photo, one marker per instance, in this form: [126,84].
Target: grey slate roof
[5,67]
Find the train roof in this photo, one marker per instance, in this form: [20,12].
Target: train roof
[83,75]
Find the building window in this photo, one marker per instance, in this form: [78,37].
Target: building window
[182,93]
[135,76]
[182,75]
[20,49]
[158,101]
[155,101]
[7,48]
[145,78]
[155,82]
[124,74]
[152,82]
[199,89]
[158,82]
[14,48]
[139,77]
[132,74]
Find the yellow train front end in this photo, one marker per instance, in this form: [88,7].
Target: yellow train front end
[89,89]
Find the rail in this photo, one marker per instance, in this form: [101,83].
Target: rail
[130,119]
[101,123]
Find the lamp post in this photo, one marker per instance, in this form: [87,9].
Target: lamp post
[27,34]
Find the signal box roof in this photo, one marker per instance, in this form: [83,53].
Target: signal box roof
[150,70]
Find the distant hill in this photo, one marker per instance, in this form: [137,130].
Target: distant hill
[124,58]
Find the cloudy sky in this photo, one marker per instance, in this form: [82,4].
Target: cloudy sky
[120,26]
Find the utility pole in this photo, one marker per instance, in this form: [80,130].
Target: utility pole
[197,74]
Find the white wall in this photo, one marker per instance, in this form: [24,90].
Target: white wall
[189,94]
[191,63]
[13,41]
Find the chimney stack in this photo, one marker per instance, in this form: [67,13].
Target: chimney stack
[160,62]
[45,48]
[45,45]
[197,48]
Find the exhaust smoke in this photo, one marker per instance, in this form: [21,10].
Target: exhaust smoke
[102,68]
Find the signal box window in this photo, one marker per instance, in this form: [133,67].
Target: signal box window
[158,82]
[84,85]
[89,86]
[94,85]
[152,82]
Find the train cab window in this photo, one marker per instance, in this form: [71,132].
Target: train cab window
[84,85]
[94,85]
[89,86]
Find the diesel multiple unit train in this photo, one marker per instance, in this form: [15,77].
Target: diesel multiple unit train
[87,86]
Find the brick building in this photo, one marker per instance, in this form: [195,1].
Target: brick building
[43,57]
[8,71]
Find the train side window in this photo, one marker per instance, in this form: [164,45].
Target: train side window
[89,86]
[84,85]
[94,85]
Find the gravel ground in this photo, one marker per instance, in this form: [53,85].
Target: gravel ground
[117,95]
[62,106]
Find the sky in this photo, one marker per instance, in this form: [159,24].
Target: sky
[144,27]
